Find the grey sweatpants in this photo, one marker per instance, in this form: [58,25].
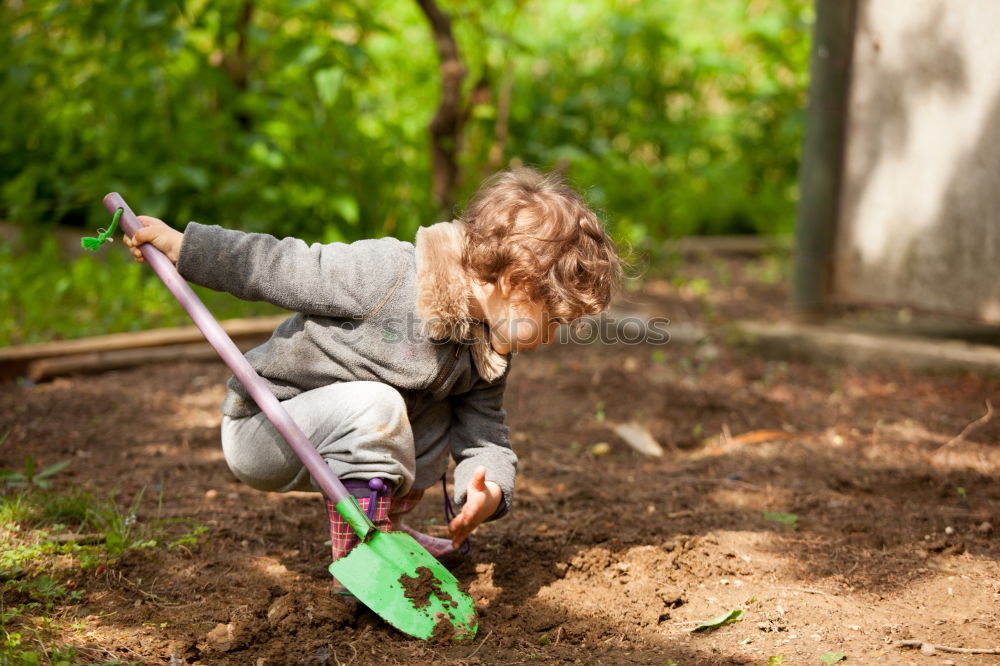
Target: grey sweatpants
[360,429]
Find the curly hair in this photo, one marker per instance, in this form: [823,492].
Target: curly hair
[538,233]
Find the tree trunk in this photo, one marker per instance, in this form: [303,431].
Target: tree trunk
[446,126]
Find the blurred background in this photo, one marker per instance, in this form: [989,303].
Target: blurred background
[314,118]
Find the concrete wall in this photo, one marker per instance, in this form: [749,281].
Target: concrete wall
[920,204]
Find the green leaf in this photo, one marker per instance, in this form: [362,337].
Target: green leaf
[328,84]
[832,657]
[727,618]
[346,206]
[53,469]
[789,519]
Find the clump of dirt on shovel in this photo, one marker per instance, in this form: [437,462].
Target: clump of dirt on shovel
[443,628]
[418,589]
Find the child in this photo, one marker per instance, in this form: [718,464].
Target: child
[399,353]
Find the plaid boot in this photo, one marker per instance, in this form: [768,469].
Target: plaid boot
[373,497]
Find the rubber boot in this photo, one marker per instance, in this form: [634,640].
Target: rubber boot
[436,546]
[373,497]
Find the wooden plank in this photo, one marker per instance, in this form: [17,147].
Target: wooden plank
[848,347]
[154,338]
[16,360]
[101,361]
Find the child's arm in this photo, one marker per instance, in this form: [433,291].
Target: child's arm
[334,280]
[486,464]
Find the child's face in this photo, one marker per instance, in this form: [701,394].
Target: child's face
[524,326]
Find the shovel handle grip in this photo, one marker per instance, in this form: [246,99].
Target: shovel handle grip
[232,356]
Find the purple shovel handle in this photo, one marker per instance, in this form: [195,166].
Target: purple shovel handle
[233,357]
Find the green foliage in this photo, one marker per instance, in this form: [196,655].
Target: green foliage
[677,117]
[29,476]
[310,118]
[734,615]
[46,297]
[38,572]
[189,108]
[789,519]
[121,528]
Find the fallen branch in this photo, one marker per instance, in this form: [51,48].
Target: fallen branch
[77,538]
[804,589]
[928,648]
[481,644]
[48,359]
[981,421]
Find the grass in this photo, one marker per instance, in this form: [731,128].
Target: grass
[50,536]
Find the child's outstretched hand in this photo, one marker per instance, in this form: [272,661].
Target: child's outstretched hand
[481,501]
[154,231]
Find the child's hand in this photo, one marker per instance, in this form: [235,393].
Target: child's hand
[481,501]
[154,231]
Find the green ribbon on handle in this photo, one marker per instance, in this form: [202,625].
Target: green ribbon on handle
[92,244]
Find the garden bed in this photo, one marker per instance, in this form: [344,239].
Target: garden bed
[835,507]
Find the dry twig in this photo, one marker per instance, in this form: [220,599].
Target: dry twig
[804,589]
[481,644]
[981,421]
[919,645]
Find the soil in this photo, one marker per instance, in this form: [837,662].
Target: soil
[855,523]
[418,589]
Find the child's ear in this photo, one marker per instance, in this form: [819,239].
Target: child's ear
[503,287]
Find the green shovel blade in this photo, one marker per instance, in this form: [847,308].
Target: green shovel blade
[397,578]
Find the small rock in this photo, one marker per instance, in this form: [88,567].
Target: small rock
[211,494]
[639,438]
[927,650]
[948,662]
[280,608]
[600,449]
[221,638]
[949,530]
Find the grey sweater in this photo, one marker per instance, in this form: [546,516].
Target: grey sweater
[358,319]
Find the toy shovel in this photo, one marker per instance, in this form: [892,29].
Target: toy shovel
[388,571]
